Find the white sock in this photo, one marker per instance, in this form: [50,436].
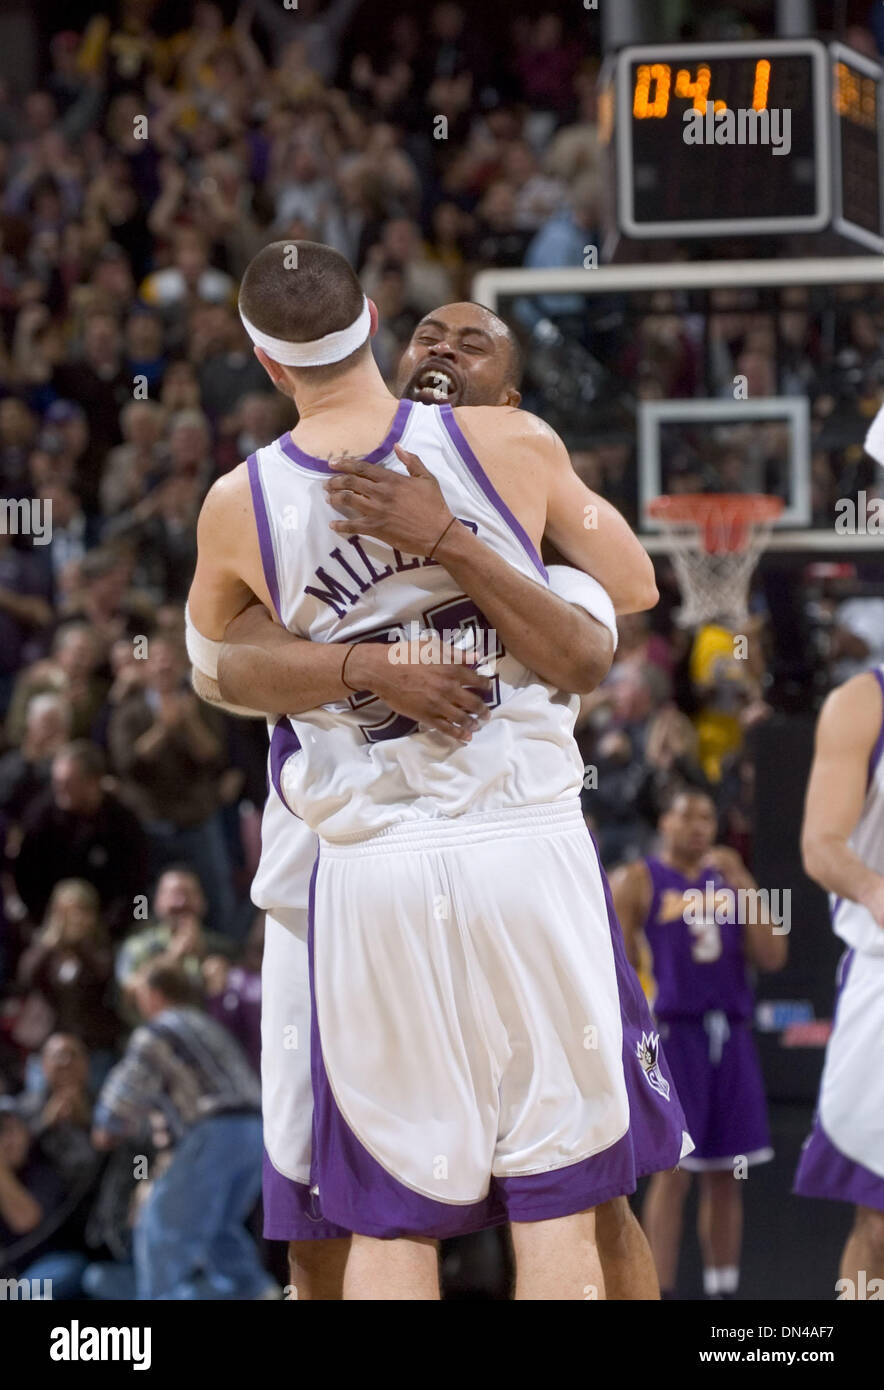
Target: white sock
[721,1280]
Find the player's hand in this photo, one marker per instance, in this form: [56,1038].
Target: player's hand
[418,681]
[729,864]
[409,514]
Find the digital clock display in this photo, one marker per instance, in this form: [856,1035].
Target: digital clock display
[856,103]
[723,139]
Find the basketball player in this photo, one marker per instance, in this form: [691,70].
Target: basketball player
[683,909]
[438,962]
[843,848]
[472,352]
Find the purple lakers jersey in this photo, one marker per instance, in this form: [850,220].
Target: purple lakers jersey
[699,964]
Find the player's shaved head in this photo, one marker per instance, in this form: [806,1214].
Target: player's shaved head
[463,354]
[300,291]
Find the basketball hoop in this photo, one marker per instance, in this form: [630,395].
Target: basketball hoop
[714,541]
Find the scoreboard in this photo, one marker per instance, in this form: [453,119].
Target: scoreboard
[857,184]
[729,139]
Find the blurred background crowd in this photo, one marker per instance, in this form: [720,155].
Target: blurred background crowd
[161,148]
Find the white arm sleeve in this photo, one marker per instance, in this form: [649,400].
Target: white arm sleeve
[204,654]
[581,589]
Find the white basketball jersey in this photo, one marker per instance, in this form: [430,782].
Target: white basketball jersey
[853,922]
[354,767]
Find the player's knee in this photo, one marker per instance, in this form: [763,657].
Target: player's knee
[720,1183]
[613,1220]
[673,1184]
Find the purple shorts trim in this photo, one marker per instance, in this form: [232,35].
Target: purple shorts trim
[824,1171]
[357,1192]
[657,1121]
[290,1213]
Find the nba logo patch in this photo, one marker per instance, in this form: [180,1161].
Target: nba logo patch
[647,1053]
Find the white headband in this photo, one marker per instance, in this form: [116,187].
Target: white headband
[334,347]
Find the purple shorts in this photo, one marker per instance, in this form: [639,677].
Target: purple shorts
[715,1065]
[291,1211]
[824,1171]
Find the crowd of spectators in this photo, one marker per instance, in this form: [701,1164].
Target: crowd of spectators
[135,184]
[155,158]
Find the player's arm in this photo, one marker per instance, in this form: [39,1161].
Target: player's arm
[562,641]
[229,584]
[764,948]
[847,732]
[228,581]
[596,538]
[631,892]
[229,577]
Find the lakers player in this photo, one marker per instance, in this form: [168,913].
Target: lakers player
[471,352]
[843,847]
[466,1031]
[682,908]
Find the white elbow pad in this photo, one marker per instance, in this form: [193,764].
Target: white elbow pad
[202,651]
[581,589]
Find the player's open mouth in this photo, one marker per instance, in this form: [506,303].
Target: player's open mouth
[435,384]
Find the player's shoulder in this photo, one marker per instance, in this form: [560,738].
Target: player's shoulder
[232,483]
[853,711]
[635,875]
[227,494]
[510,423]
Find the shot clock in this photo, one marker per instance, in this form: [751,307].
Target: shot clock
[730,139]
[857,184]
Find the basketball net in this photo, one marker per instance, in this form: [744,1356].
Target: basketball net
[714,542]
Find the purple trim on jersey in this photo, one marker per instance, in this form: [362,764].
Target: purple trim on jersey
[318,465]
[456,434]
[265,536]
[283,743]
[878,749]
[290,1212]
[842,970]
[824,1171]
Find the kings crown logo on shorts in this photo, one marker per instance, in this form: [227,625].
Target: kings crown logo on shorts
[647,1052]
